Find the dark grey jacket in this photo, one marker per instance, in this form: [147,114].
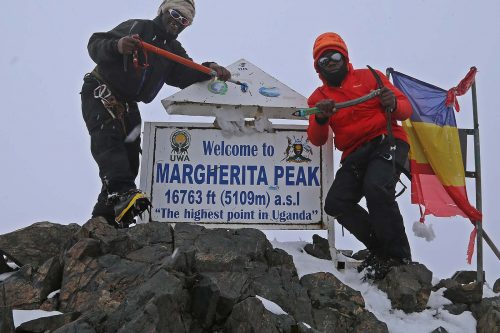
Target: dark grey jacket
[144,84]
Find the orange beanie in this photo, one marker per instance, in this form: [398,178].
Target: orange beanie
[329,41]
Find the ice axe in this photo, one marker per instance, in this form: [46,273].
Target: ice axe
[341,105]
[187,62]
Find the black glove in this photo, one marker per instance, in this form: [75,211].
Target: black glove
[388,99]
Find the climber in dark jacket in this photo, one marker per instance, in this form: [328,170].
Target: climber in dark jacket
[125,75]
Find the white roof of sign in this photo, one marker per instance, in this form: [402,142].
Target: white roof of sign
[266,96]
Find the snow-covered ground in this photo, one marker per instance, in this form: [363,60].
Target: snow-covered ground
[377,302]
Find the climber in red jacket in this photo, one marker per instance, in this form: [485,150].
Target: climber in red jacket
[373,152]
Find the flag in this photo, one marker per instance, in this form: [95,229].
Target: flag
[436,164]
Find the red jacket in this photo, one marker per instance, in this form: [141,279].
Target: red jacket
[355,125]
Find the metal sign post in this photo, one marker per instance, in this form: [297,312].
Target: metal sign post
[479,204]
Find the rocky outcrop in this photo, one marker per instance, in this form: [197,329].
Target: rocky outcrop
[152,278]
[319,248]
[408,287]
[466,295]
[461,288]
[337,307]
[487,314]
[155,278]
[37,243]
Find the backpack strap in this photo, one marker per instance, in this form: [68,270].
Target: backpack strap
[388,119]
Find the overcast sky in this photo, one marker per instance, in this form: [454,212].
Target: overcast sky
[47,172]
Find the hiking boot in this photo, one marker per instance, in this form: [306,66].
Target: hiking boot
[367,262]
[377,267]
[128,205]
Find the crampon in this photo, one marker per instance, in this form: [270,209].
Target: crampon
[128,205]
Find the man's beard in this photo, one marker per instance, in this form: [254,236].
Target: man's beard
[336,78]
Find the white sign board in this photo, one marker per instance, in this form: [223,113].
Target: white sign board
[194,174]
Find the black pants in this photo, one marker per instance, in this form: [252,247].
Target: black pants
[368,172]
[118,161]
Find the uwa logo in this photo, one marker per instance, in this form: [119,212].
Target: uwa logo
[180,141]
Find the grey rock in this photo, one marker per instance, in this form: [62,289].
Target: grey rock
[278,257]
[86,323]
[150,254]
[464,293]
[456,309]
[465,277]
[28,287]
[337,307]
[325,290]
[19,290]
[367,322]
[361,255]
[487,314]
[4,268]
[282,286]
[76,327]
[444,283]
[37,243]
[182,260]
[319,248]
[205,295]
[305,328]
[85,247]
[48,277]
[152,233]
[47,324]
[98,283]
[233,287]
[235,250]
[461,288]
[111,240]
[186,234]
[51,304]
[159,304]
[408,287]
[251,316]
[6,318]
[496,286]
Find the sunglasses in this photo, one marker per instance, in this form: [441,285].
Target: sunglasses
[178,17]
[324,61]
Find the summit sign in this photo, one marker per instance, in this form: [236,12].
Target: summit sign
[197,175]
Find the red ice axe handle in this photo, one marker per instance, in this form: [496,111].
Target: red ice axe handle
[187,62]
[178,59]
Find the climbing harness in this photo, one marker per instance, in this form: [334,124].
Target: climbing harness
[115,107]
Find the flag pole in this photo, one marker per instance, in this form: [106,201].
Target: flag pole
[479,203]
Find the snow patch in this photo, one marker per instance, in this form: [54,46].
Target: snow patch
[5,276]
[23,316]
[232,122]
[54,293]
[423,230]
[271,306]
